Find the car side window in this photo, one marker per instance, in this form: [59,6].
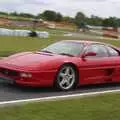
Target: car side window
[112,51]
[100,50]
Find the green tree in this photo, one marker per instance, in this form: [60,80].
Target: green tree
[28,15]
[111,22]
[13,14]
[68,19]
[49,15]
[3,13]
[40,16]
[94,20]
[80,20]
[59,17]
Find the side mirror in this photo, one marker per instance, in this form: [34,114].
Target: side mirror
[89,54]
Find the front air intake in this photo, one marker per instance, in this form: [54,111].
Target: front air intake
[8,72]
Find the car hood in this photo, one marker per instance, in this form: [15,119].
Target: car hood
[31,60]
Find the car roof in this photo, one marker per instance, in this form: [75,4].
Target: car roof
[83,41]
[88,42]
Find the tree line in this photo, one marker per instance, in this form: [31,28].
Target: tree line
[80,18]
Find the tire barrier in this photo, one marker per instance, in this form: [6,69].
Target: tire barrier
[24,33]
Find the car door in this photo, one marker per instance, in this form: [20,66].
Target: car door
[114,57]
[96,69]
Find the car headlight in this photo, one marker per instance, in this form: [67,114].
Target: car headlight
[25,75]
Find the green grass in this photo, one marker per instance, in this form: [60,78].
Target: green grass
[9,45]
[105,107]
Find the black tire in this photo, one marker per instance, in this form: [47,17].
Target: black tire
[72,80]
[33,34]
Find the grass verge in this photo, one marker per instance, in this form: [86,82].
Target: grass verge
[105,107]
[9,44]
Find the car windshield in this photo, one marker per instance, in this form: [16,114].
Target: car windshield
[65,48]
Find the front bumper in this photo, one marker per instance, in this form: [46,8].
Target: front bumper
[38,79]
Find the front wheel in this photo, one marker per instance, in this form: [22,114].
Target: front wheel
[66,78]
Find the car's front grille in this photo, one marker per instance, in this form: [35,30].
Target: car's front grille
[8,72]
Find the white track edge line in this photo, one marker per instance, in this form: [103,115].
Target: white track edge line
[58,97]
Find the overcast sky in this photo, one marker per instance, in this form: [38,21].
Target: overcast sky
[102,8]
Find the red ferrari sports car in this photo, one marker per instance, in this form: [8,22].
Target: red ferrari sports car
[65,65]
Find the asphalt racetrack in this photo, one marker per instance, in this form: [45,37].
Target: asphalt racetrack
[12,92]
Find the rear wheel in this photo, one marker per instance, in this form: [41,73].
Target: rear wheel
[66,78]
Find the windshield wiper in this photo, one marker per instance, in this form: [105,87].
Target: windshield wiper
[46,51]
[67,54]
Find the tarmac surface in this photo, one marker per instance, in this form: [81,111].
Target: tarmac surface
[12,92]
